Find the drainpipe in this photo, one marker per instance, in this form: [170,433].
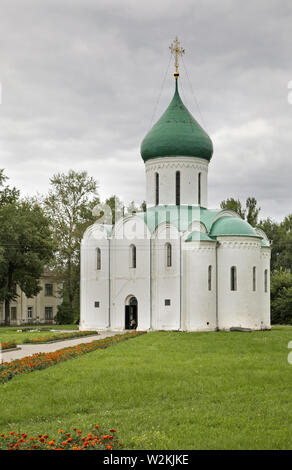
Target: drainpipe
[180,283]
[150,276]
[217,320]
[109,283]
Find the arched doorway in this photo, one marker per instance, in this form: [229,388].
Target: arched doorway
[131,313]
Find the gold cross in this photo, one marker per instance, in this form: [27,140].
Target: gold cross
[175,49]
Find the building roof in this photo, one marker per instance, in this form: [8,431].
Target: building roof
[176,133]
[199,236]
[179,216]
[232,226]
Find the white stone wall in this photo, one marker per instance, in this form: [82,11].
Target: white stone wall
[266,296]
[166,280]
[199,303]
[243,307]
[167,167]
[127,281]
[94,283]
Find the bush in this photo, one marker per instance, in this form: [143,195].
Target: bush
[65,315]
[281,297]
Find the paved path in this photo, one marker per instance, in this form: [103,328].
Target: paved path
[29,349]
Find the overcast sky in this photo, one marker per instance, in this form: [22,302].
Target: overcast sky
[81,80]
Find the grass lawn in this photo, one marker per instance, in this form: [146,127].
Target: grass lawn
[10,333]
[166,390]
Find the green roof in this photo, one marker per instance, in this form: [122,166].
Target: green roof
[176,133]
[232,226]
[199,236]
[179,216]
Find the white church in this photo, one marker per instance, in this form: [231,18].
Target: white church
[179,265]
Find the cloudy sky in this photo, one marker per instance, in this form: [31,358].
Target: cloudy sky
[83,80]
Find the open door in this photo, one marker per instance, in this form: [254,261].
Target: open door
[131,314]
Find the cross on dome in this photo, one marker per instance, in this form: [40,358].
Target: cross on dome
[178,51]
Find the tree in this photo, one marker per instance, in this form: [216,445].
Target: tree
[281,296]
[143,206]
[26,248]
[7,195]
[116,209]
[65,314]
[252,211]
[234,205]
[69,205]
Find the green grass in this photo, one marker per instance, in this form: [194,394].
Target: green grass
[10,333]
[166,390]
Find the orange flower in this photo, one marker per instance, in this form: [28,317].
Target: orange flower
[60,430]
[109,447]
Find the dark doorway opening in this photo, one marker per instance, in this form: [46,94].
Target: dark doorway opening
[131,314]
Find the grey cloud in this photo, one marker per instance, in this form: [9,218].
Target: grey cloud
[81,79]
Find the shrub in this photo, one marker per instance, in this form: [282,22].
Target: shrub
[281,297]
[65,315]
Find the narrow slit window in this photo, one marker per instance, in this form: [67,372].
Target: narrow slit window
[133,256]
[98,259]
[168,255]
[177,188]
[254,280]
[233,278]
[210,278]
[199,189]
[266,280]
[156,189]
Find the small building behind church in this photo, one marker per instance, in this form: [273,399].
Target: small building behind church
[41,308]
[179,265]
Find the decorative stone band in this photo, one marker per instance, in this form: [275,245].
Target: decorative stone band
[240,244]
[199,246]
[177,162]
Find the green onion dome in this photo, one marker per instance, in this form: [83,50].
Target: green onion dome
[176,133]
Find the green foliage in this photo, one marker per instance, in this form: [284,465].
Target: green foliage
[233,205]
[69,205]
[65,314]
[250,212]
[281,297]
[26,246]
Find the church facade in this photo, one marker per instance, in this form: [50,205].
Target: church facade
[179,265]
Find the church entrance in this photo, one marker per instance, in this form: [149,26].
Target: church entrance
[131,314]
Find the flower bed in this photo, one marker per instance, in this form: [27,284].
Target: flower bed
[59,337]
[8,345]
[96,439]
[39,361]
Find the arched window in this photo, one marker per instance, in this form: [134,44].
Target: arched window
[210,278]
[266,280]
[233,278]
[98,259]
[199,189]
[156,189]
[177,188]
[168,254]
[132,256]
[254,280]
